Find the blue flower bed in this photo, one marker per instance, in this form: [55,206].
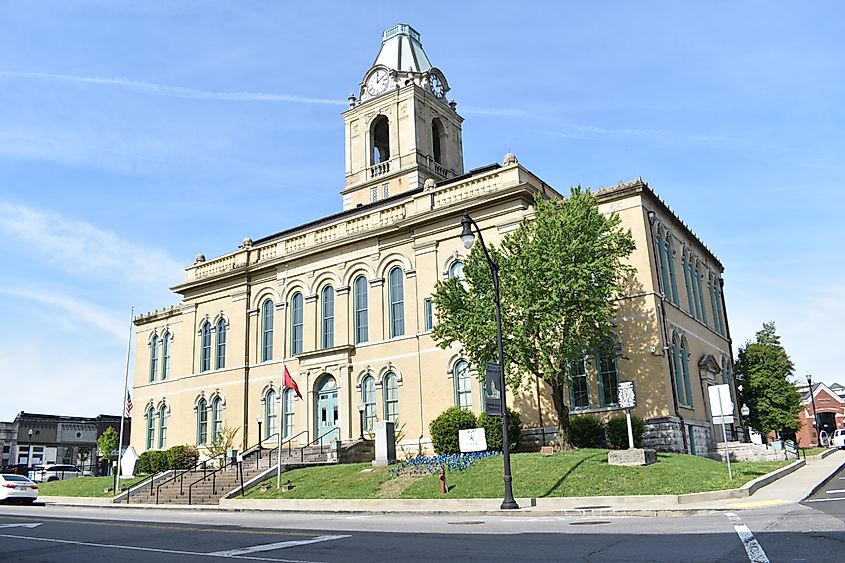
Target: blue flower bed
[427,465]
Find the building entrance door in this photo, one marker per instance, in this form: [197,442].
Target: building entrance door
[326,410]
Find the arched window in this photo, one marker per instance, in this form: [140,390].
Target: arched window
[216,417]
[361,316]
[269,414]
[296,324]
[700,313]
[289,395]
[165,355]
[456,270]
[327,304]
[205,346]
[463,384]
[368,397]
[397,303]
[579,390]
[436,139]
[267,310]
[151,427]
[717,292]
[663,264]
[670,258]
[380,136]
[153,357]
[220,352]
[687,266]
[390,389]
[162,427]
[608,372]
[202,422]
[686,391]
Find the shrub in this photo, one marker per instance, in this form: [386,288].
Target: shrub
[182,457]
[493,430]
[444,429]
[617,432]
[152,461]
[586,431]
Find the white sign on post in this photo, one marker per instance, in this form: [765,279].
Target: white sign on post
[472,440]
[721,405]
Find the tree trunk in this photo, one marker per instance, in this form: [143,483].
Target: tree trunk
[562,442]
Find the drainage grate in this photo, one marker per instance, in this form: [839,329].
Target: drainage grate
[591,507]
[589,523]
[467,523]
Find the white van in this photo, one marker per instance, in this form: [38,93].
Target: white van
[838,439]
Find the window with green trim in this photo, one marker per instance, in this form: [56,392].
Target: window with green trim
[608,372]
[579,390]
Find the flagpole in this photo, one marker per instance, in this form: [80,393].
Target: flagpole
[123,406]
[281,425]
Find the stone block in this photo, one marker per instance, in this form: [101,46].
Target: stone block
[636,456]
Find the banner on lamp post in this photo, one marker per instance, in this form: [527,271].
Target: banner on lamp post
[493,384]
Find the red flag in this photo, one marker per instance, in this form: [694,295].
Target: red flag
[291,384]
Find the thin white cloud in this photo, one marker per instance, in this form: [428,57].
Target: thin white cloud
[576,131]
[173,91]
[83,249]
[76,311]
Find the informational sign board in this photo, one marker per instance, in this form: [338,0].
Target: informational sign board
[721,405]
[493,384]
[472,440]
[627,398]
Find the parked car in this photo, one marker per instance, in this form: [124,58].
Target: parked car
[838,439]
[18,469]
[17,487]
[56,472]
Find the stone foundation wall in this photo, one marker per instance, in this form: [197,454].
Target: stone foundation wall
[663,434]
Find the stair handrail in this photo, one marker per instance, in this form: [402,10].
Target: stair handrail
[230,463]
[290,440]
[318,438]
[180,474]
[140,484]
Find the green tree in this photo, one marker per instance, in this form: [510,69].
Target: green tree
[107,444]
[560,273]
[223,441]
[764,370]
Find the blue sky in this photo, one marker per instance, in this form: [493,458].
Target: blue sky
[134,135]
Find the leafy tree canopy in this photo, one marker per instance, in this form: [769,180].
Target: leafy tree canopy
[107,443]
[764,368]
[560,273]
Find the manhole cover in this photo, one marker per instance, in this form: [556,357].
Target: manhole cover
[589,523]
[591,507]
[467,523]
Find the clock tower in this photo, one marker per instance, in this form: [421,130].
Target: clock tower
[400,129]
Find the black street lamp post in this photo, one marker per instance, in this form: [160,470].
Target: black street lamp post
[361,407]
[815,416]
[260,436]
[467,238]
[29,453]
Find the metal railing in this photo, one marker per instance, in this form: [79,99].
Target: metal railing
[181,475]
[320,439]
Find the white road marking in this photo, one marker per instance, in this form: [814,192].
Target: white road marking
[835,491]
[273,546]
[824,499]
[30,525]
[152,549]
[752,546]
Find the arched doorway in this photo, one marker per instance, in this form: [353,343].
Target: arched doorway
[326,410]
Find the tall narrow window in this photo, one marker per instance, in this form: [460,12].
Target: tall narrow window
[685,366]
[290,413]
[679,372]
[696,289]
[220,352]
[361,315]
[296,306]
[153,357]
[670,258]
[579,391]
[688,281]
[380,136]
[397,303]
[700,305]
[391,397]
[717,290]
[216,418]
[463,385]
[428,314]
[205,346]
[269,414]
[663,266]
[608,372]
[368,397]
[162,427]
[202,422]
[436,136]
[165,355]
[267,310]
[327,302]
[151,427]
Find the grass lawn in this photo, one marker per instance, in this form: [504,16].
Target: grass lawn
[565,474]
[85,486]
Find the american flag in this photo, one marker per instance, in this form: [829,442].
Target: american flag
[127,408]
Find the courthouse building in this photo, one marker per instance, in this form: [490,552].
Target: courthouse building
[345,300]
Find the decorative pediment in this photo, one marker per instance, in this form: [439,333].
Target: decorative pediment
[709,364]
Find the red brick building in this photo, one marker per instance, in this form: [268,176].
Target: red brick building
[830,410]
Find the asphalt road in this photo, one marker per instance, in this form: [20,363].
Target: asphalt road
[830,497]
[73,534]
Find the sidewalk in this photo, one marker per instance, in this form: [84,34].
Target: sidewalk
[791,485]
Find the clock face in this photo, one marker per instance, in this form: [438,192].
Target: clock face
[436,86]
[377,82]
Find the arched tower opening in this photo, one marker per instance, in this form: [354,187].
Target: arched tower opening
[380,135]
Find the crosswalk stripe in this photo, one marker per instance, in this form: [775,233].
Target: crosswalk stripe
[273,546]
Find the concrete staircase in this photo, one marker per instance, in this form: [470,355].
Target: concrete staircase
[208,486]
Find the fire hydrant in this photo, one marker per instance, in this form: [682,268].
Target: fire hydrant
[442,480]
